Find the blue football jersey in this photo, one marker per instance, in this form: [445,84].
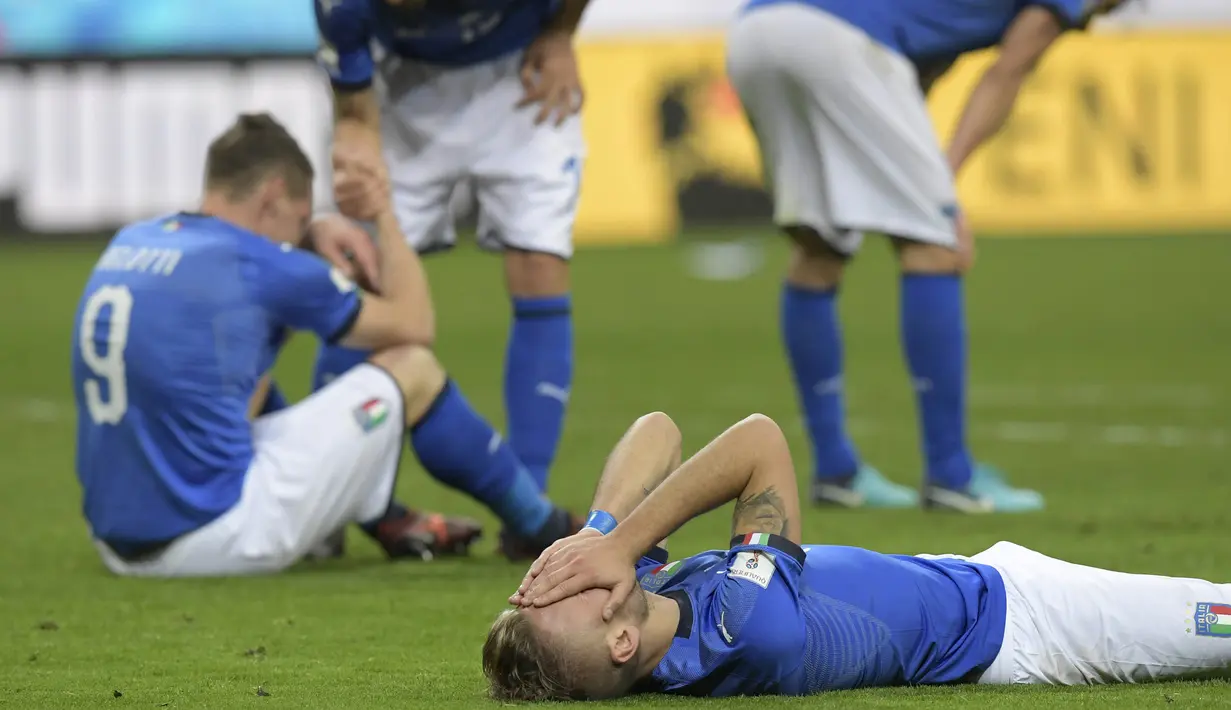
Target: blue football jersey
[929,30]
[768,617]
[445,32]
[179,320]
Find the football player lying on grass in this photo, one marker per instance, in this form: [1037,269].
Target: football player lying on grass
[601,614]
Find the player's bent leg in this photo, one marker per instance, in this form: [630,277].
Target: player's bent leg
[1074,625]
[800,171]
[460,449]
[812,336]
[333,361]
[421,202]
[527,180]
[933,334]
[538,372]
[333,546]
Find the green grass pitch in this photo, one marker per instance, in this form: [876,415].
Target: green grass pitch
[1100,376]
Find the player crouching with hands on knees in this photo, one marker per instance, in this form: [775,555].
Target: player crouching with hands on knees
[601,615]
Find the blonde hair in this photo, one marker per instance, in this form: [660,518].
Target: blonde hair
[519,667]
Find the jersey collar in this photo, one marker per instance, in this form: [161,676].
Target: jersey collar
[683,629]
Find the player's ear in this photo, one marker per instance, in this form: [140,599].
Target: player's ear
[270,193]
[622,641]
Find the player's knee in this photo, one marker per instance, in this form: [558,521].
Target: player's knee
[418,373]
[924,258]
[814,263]
[532,274]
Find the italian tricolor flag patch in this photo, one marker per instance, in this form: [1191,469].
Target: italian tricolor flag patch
[756,539]
[371,414]
[666,569]
[1213,619]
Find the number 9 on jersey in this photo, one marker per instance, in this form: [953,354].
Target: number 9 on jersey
[107,365]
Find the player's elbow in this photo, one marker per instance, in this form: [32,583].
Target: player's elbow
[421,333]
[419,330]
[765,431]
[762,423]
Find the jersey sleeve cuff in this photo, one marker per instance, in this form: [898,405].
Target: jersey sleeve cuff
[768,541]
[351,86]
[1062,18]
[345,328]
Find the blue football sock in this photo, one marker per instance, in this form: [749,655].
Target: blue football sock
[537,376]
[462,451]
[275,401]
[934,340]
[332,361]
[813,339]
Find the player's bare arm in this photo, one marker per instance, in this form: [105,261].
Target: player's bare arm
[359,107]
[644,456]
[549,72]
[346,245]
[763,512]
[750,463]
[402,314]
[743,463]
[258,396]
[358,168]
[639,463]
[991,102]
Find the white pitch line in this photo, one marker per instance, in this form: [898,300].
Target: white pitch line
[1071,433]
[35,410]
[48,411]
[1032,432]
[1095,395]
[1153,436]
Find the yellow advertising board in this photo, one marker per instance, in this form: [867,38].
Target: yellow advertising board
[1114,133]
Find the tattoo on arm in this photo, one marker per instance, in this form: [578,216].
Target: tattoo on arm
[760,512]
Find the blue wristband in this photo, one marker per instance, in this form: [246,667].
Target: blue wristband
[601,521]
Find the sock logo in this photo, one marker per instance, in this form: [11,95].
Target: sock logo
[828,386]
[371,414]
[547,389]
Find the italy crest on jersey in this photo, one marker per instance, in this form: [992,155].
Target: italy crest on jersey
[657,578]
[1213,620]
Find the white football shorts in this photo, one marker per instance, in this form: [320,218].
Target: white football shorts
[845,136]
[450,128]
[1069,624]
[320,464]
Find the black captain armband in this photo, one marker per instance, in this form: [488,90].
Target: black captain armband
[776,543]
